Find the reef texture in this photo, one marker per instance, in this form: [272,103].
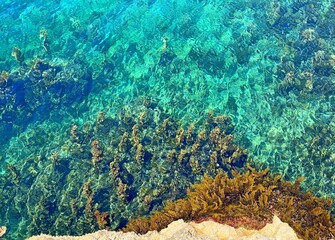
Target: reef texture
[247,200]
[115,168]
[207,230]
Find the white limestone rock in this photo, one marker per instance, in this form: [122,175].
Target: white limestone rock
[207,230]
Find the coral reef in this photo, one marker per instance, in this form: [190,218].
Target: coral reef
[247,200]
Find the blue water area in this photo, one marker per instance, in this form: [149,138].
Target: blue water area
[77,76]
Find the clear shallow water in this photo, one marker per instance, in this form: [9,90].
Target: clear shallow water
[268,65]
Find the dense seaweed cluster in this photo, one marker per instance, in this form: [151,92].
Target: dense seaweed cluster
[247,200]
[114,168]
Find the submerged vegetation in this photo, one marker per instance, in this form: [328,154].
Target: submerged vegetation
[119,166]
[108,109]
[247,200]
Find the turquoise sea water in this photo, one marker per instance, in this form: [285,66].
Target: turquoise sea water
[75,72]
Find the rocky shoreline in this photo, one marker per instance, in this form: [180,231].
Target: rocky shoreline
[207,230]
